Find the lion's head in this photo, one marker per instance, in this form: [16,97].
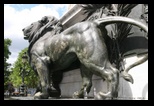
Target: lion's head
[31,30]
[45,23]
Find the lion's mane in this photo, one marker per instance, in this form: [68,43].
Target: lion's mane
[40,27]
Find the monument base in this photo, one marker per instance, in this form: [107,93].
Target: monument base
[138,91]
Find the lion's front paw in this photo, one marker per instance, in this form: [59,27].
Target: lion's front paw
[103,96]
[40,95]
[77,95]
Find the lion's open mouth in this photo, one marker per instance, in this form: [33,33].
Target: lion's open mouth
[25,37]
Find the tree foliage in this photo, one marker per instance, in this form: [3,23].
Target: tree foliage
[7,43]
[30,78]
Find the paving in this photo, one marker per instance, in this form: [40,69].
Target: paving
[50,98]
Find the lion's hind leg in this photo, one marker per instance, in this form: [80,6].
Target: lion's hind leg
[110,74]
[112,77]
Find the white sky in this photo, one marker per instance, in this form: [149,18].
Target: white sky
[18,16]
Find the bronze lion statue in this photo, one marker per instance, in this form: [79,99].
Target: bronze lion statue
[83,42]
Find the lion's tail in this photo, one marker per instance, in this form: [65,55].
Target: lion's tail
[127,76]
[118,19]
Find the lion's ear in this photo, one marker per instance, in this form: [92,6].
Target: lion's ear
[44,19]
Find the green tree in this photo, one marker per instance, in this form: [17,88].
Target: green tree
[7,43]
[30,78]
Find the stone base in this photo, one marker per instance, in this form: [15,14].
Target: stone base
[139,90]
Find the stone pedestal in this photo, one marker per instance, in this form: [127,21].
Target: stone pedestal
[139,90]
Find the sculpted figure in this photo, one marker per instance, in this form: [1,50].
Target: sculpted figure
[83,42]
[47,23]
